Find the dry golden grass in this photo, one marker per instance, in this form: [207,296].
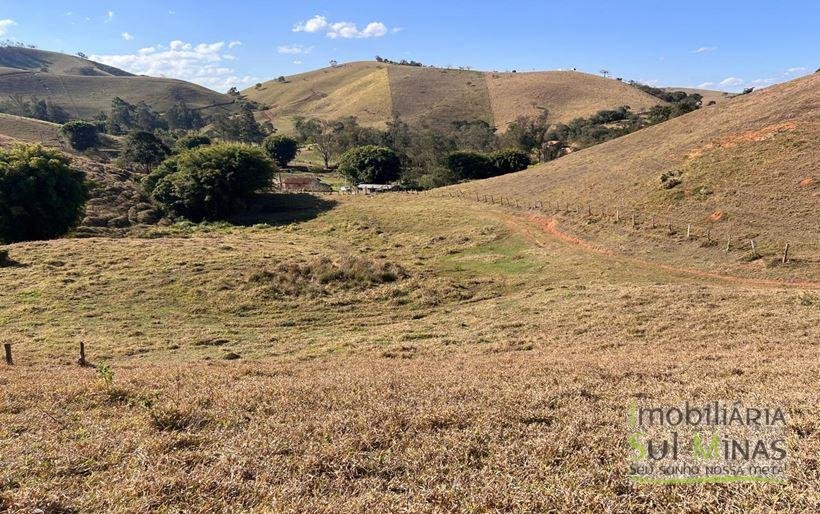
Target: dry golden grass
[565,94]
[28,130]
[355,89]
[435,96]
[749,169]
[494,376]
[84,88]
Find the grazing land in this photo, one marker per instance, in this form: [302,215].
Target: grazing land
[376,92]
[485,365]
[85,88]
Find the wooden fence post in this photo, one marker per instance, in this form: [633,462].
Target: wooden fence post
[81,361]
[754,248]
[653,221]
[688,230]
[633,220]
[617,215]
[786,254]
[728,243]
[7,347]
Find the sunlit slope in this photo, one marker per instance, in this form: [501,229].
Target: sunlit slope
[84,88]
[747,170]
[376,92]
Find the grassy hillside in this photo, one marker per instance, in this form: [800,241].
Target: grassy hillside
[30,130]
[747,170]
[84,88]
[492,373]
[375,92]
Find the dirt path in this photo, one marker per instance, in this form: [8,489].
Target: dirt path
[550,226]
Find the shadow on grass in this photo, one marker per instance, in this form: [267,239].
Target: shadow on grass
[282,208]
[8,262]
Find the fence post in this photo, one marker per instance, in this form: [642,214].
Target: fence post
[754,248]
[688,230]
[653,222]
[633,220]
[81,361]
[728,243]
[786,254]
[7,348]
[617,215]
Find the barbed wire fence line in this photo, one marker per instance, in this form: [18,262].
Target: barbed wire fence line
[753,248]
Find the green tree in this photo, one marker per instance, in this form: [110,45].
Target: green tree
[120,117]
[81,135]
[370,165]
[281,148]
[190,142]
[182,117]
[41,196]
[242,128]
[470,165]
[529,133]
[146,149]
[210,182]
[507,161]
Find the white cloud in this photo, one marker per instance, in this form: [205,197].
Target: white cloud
[127,36]
[763,82]
[705,85]
[796,69]
[294,49]
[314,24]
[109,16]
[704,50]
[396,30]
[5,25]
[297,61]
[171,13]
[341,29]
[730,82]
[234,44]
[203,64]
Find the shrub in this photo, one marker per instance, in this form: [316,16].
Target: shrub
[190,142]
[146,149]
[507,161]
[322,275]
[370,165]
[671,178]
[470,165]
[210,182]
[281,148]
[40,195]
[81,135]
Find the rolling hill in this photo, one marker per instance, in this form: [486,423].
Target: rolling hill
[747,170]
[84,87]
[375,92]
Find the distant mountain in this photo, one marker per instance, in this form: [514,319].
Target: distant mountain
[374,92]
[84,88]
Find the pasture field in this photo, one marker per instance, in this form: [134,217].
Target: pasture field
[386,353]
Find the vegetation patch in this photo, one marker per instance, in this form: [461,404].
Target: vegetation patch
[323,275]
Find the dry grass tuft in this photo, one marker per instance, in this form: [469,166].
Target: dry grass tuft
[323,275]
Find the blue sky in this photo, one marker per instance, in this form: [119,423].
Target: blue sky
[720,45]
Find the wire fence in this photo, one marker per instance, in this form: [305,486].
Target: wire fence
[658,226]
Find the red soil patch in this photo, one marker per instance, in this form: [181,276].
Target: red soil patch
[549,225]
[717,216]
[807,182]
[749,136]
